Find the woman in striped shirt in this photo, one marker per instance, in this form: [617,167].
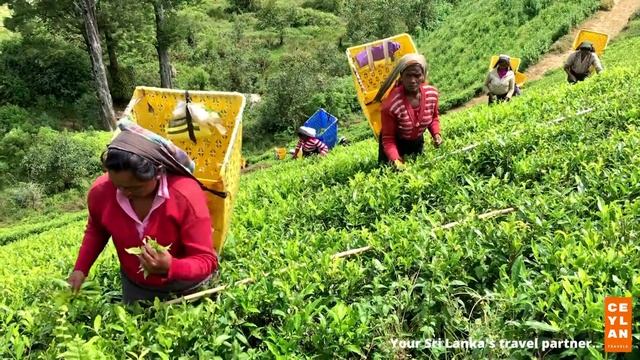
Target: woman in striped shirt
[409,110]
[309,144]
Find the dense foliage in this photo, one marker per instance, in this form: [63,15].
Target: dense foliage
[541,271]
[249,46]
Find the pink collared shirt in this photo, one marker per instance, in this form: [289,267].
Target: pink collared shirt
[125,204]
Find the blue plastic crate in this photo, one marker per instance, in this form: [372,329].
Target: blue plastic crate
[326,126]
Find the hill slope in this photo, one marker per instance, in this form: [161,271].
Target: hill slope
[540,271]
[458,51]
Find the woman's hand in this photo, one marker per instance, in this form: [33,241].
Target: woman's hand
[399,165]
[437,140]
[75,280]
[155,262]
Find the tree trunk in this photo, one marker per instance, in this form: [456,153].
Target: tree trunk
[107,115]
[114,67]
[162,47]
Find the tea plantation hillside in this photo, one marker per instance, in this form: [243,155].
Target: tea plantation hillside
[561,161]
[459,50]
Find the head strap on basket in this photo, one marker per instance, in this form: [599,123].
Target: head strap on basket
[190,128]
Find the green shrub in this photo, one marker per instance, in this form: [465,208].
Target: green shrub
[291,87]
[237,67]
[607,5]
[339,98]
[368,20]
[122,89]
[193,77]
[216,11]
[330,6]
[13,148]
[311,17]
[38,67]
[241,6]
[87,109]
[27,195]
[59,161]
[145,74]
[12,116]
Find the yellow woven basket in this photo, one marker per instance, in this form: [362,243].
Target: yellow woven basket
[218,157]
[369,78]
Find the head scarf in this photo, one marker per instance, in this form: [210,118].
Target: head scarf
[503,58]
[588,45]
[402,65]
[135,139]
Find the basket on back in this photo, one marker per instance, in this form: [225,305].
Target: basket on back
[370,65]
[218,156]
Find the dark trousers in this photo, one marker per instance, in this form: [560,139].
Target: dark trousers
[310,153]
[493,98]
[132,292]
[405,148]
[497,98]
[579,77]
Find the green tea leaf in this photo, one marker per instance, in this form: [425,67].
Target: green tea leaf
[220,339]
[355,349]
[537,325]
[134,250]
[97,323]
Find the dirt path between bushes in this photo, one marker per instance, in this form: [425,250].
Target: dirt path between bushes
[611,22]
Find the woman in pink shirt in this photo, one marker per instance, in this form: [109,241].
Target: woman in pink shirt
[146,193]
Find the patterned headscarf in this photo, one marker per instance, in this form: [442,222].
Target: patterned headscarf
[401,66]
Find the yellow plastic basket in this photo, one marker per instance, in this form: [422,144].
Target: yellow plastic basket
[218,157]
[599,40]
[369,78]
[521,78]
[515,62]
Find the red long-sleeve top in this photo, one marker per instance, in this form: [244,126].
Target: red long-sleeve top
[182,220]
[401,121]
[310,145]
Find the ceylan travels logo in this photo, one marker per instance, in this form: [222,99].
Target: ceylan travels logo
[617,324]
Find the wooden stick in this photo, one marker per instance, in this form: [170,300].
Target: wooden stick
[496,213]
[562,118]
[351,252]
[449,225]
[481,217]
[466,148]
[207,292]
[582,112]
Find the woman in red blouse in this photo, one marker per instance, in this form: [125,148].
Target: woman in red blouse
[409,110]
[142,196]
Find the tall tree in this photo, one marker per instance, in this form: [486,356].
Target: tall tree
[169,30]
[88,11]
[122,24]
[276,16]
[72,20]
[163,35]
